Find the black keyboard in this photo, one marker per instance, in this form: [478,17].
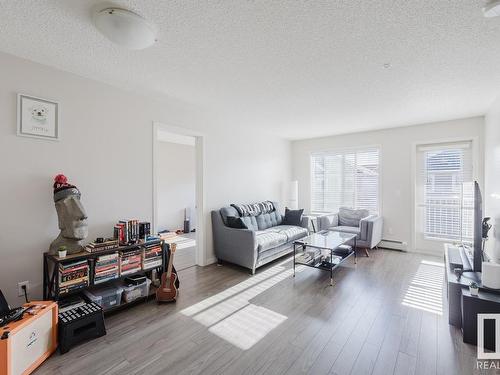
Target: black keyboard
[12,315]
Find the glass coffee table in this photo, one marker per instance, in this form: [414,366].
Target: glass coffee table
[325,250]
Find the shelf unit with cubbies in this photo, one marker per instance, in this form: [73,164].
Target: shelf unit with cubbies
[51,289]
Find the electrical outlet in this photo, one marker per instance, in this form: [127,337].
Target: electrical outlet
[20,291]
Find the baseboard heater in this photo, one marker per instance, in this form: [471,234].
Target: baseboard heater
[393,245]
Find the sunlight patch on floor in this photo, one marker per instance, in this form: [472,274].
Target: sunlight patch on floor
[211,301]
[425,291]
[230,315]
[229,306]
[247,326]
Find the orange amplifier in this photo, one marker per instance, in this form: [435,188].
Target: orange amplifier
[25,344]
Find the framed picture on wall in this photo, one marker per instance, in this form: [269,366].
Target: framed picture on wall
[37,117]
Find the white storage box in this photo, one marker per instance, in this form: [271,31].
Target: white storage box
[133,292]
[106,297]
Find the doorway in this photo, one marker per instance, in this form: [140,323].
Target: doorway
[178,192]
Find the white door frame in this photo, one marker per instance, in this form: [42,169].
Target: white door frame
[201,258]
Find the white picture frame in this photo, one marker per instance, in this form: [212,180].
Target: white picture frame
[37,117]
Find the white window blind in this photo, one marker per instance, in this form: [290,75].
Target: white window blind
[345,178]
[445,191]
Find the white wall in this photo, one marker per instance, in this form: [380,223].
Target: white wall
[176,185]
[106,150]
[397,147]
[492,175]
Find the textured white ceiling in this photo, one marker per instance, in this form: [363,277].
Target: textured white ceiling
[297,68]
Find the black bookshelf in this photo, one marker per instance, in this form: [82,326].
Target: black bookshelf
[51,272]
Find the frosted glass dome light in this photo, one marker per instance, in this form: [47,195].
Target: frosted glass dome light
[125,28]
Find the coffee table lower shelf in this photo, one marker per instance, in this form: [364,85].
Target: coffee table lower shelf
[326,259]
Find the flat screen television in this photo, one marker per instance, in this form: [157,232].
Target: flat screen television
[478,230]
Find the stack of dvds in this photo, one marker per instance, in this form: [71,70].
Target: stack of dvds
[108,244]
[152,256]
[73,276]
[106,268]
[130,261]
[144,230]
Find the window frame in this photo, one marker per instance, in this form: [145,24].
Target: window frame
[345,150]
[435,246]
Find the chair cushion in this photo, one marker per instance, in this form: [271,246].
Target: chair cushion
[346,229]
[351,218]
[291,232]
[267,239]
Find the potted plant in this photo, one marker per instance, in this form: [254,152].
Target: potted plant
[474,289]
[62,251]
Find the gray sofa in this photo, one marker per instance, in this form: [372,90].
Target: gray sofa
[265,240]
[367,227]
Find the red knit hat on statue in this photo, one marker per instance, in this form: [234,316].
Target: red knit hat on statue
[63,189]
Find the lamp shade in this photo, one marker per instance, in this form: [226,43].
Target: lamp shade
[293,195]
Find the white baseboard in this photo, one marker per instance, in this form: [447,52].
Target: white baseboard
[211,260]
[393,245]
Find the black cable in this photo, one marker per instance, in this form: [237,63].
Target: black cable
[25,293]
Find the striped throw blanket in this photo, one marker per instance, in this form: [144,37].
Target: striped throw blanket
[254,209]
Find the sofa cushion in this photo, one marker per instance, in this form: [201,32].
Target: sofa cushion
[228,211]
[293,217]
[268,220]
[236,222]
[274,252]
[346,229]
[291,232]
[267,239]
[250,222]
[350,218]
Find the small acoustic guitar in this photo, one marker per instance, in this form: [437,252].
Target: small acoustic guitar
[167,292]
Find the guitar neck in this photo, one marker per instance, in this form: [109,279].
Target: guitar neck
[171,259]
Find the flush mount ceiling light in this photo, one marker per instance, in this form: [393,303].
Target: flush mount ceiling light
[492,9]
[125,28]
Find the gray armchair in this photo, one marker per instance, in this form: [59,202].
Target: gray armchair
[367,227]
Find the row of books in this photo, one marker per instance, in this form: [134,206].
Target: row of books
[130,261]
[73,276]
[152,256]
[131,231]
[107,267]
[76,275]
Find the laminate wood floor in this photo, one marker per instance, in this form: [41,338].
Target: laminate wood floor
[385,315]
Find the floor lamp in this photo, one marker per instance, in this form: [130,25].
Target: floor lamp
[293,195]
